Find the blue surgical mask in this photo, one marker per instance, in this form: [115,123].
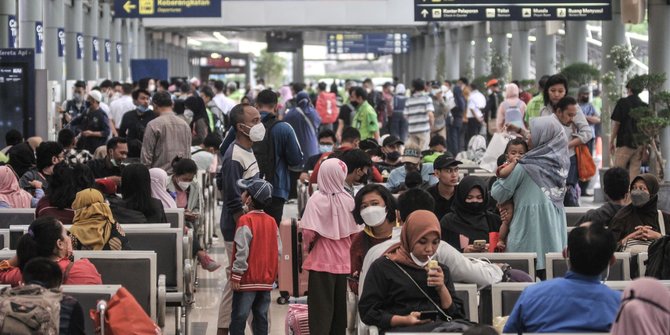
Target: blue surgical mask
[323,148]
[142,109]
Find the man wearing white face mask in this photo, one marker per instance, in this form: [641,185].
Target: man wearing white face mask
[238,163]
[166,136]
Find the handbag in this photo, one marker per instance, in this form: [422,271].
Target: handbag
[585,165]
[635,247]
[125,316]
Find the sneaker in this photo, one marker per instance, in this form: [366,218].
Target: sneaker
[208,263]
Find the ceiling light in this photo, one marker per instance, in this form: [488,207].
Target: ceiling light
[220,37]
[215,55]
[192,41]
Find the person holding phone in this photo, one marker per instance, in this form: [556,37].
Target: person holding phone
[468,226]
[186,190]
[403,291]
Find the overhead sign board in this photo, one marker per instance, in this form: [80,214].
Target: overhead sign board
[167,8]
[359,43]
[507,10]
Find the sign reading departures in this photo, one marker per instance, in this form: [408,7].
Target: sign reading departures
[360,43]
[507,10]
[167,8]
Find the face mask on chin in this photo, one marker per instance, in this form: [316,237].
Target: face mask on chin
[418,262]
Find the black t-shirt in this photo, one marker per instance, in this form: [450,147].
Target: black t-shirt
[442,205]
[345,114]
[628,125]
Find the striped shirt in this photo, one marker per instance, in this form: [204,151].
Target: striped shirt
[416,111]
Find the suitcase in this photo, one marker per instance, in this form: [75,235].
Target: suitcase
[292,278]
[297,322]
[303,196]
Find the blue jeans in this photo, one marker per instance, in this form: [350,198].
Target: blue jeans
[398,126]
[454,139]
[256,302]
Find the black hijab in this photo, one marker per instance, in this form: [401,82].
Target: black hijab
[629,217]
[469,219]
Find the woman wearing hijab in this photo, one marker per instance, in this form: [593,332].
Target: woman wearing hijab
[159,183]
[200,124]
[645,309]
[537,186]
[391,299]
[94,227]
[513,104]
[639,222]
[328,227]
[13,195]
[305,121]
[470,219]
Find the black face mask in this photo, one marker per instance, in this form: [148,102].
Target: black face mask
[355,104]
[475,207]
[393,156]
[584,100]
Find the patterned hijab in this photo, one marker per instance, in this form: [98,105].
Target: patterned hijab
[548,161]
[93,220]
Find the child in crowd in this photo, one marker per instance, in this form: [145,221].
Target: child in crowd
[514,151]
[256,257]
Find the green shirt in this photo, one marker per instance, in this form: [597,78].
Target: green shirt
[534,108]
[365,120]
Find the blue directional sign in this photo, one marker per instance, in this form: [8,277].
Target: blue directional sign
[167,8]
[508,10]
[377,43]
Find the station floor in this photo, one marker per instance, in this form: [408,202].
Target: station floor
[205,312]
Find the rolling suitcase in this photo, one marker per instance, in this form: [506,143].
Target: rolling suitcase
[303,196]
[297,322]
[292,278]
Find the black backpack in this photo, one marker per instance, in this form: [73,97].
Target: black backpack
[658,264]
[265,150]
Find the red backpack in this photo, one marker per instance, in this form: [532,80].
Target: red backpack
[326,106]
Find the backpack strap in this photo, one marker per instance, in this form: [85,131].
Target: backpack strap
[67,271]
[661,222]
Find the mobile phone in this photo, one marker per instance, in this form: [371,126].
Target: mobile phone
[428,315]
[479,244]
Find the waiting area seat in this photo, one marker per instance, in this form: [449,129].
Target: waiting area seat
[16,216]
[88,297]
[557,266]
[4,239]
[573,214]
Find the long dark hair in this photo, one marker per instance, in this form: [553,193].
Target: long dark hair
[197,106]
[554,80]
[40,240]
[136,188]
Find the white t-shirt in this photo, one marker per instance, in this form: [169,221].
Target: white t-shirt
[119,107]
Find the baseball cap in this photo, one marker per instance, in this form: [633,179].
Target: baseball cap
[259,189]
[390,140]
[445,161]
[492,82]
[95,95]
[412,155]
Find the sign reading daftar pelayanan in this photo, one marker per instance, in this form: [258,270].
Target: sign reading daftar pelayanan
[511,10]
[167,8]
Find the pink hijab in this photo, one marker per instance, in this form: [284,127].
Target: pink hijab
[159,181]
[512,94]
[10,192]
[645,309]
[328,210]
[286,94]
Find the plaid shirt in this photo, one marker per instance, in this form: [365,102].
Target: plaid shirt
[74,156]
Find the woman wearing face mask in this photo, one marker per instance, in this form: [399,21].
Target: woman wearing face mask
[200,122]
[376,209]
[645,309]
[186,191]
[328,227]
[392,297]
[639,222]
[470,220]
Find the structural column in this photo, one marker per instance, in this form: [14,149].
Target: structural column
[659,62]
[545,52]
[74,44]
[520,51]
[576,48]
[500,44]
[54,32]
[451,54]
[105,42]
[91,42]
[430,57]
[482,58]
[31,29]
[9,24]
[142,42]
[298,66]
[125,51]
[134,38]
[465,51]
[117,49]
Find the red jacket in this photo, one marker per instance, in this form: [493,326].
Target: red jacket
[256,252]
